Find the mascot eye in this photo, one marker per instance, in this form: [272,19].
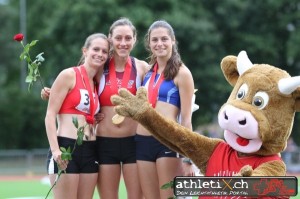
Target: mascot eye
[260,100]
[242,92]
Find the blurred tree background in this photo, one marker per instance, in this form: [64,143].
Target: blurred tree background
[206,30]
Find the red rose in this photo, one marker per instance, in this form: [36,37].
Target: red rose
[19,37]
[89,119]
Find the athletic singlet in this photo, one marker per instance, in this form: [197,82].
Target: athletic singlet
[225,161]
[168,91]
[105,91]
[77,100]
[229,163]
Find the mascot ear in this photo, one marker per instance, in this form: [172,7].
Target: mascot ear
[291,85]
[229,69]
[233,67]
[296,95]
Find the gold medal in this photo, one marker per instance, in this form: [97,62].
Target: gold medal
[117,119]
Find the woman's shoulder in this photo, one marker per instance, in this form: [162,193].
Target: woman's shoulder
[67,73]
[65,79]
[184,76]
[141,65]
[184,71]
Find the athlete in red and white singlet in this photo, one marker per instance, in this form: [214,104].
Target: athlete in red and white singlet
[115,143]
[74,94]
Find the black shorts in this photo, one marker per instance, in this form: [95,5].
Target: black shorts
[116,150]
[84,157]
[150,149]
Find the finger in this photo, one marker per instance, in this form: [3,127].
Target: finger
[57,159]
[42,94]
[65,162]
[121,111]
[116,100]
[46,89]
[118,109]
[63,165]
[59,164]
[123,92]
[101,114]
[142,93]
[45,94]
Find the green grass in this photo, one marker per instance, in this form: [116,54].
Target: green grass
[34,189]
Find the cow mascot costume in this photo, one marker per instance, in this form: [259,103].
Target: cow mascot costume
[257,120]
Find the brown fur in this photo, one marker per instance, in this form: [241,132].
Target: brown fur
[275,121]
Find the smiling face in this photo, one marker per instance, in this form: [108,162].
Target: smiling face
[96,53]
[161,43]
[257,118]
[240,129]
[122,40]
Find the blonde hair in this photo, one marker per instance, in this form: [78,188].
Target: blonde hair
[88,42]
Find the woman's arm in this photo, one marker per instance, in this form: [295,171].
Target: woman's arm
[185,84]
[45,93]
[61,86]
[142,68]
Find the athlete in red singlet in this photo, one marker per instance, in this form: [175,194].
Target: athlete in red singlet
[77,101]
[109,84]
[115,143]
[74,94]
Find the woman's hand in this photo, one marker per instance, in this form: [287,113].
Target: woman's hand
[99,117]
[45,93]
[62,164]
[188,169]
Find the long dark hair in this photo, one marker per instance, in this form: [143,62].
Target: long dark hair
[175,61]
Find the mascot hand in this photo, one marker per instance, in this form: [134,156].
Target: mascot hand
[245,171]
[126,104]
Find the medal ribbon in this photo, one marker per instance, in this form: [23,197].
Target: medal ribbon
[113,77]
[93,102]
[154,87]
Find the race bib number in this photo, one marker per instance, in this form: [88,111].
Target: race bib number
[84,105]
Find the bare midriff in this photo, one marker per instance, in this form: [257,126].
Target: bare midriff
[167,110]
[106,128]
[66,128]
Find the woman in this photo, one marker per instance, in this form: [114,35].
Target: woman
[74,95]
[170,90]
[115,142]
